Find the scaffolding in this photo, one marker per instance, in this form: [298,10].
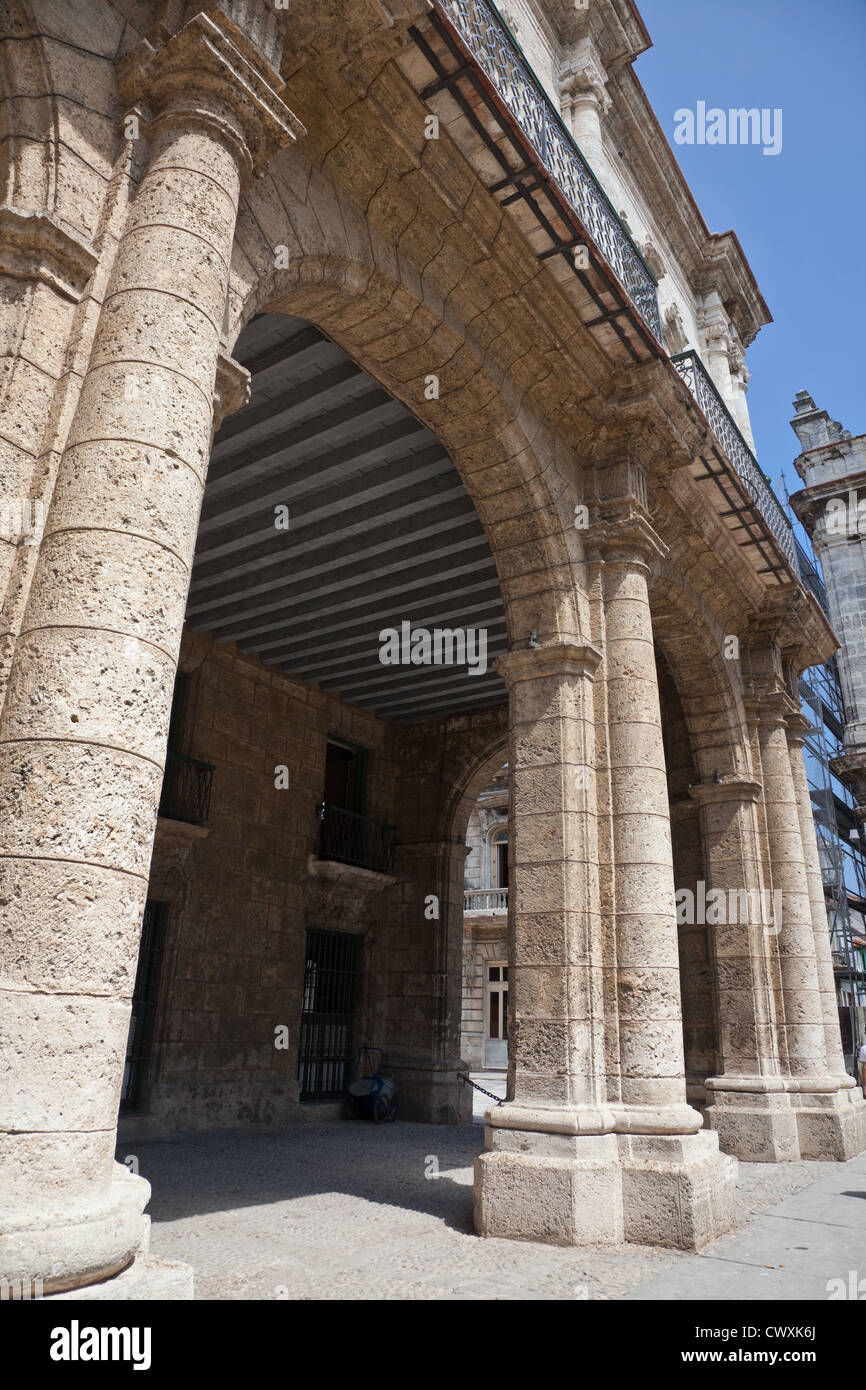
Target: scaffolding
[841,850]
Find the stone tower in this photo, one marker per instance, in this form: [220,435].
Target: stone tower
[832,508]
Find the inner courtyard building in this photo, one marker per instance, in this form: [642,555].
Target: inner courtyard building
[389,532]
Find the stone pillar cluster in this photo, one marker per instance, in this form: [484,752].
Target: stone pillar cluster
[82,741]
[788,1095]
[596,1129]
[597,1142]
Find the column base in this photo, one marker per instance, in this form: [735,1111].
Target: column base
[831,1126]
[778,1120]
[757,1126]
[147,1279]
[71,1243]
[604,1189]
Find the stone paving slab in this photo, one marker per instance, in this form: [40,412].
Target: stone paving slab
[344,1211]
[792,1251]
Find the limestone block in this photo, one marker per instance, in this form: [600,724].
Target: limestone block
[90,803]
[68,932]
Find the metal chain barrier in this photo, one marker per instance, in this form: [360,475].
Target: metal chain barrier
[461,1076]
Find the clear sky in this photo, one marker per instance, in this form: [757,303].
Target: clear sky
[800,215]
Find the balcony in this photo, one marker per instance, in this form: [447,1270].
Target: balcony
[750,508]
[347,838]
[486,900]
[186,789]
[811,576]
[513,135]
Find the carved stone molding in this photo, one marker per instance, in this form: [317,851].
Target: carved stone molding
[211,74]
[231,388]
[34,246]
[348,877]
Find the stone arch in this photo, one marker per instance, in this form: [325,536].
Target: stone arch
[357,289]
[709,686]
[468,787]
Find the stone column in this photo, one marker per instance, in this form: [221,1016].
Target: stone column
[44,271]
[831,1117]
[748,1106]
[695,955]
[651,1063]
[422,981]
[537,1179]
[82,742]
[585,102]
[798,726]
[588,1149]
[795,940]
[677,1188]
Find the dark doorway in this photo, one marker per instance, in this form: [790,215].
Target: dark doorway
[345,776]
[327,1021]
[502,863]
[139,1039]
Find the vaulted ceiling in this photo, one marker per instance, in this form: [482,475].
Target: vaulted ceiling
[380,531]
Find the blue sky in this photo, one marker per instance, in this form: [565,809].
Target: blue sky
[800,214]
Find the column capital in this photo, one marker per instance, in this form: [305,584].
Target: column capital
[558,659]
[210,74]
[771,707]
[798,728]
[585,80]
[626,539]
[730,789]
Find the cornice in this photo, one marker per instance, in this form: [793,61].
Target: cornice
[558,659]
[34,246]
[709,260]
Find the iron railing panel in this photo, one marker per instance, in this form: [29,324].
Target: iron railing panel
[349,838]
[484,33]
[746,467]
[186,789]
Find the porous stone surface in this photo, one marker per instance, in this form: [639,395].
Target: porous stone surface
[345,1211]
[280,163]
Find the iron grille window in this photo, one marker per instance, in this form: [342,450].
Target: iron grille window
[327,1020]
[138,1043]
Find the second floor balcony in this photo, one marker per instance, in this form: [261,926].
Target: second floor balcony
[485,900]
[186,789]
[748,504]
[528,159]
[515,138]
[346,837]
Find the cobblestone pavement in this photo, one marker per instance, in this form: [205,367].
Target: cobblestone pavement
[347,1210]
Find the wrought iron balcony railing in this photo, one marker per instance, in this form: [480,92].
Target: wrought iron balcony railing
[810,575]
[484,34]
[349,838]
[739,455]
[186,789]
[485,900]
